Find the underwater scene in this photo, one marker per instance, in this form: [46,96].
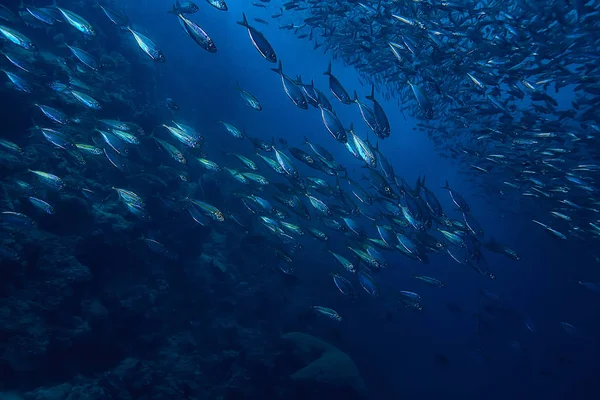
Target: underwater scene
[303,199]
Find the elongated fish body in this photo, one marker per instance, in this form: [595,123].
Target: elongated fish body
[286,164]
[235,132]
[17,38]
[323,101]
[18,82]
[41,205]
[363,149]
[197,33]
[333,125]
[319,150]
[250,100]
[422,100]
[343,285]
[172,150]
[218,4]
[457,199]
[17,62]
[336,87]
[57,139]
[274,165]
[16,219]
[293,92]
[368,283]
[54,114]
[41,15]
[48,179]
[366,113]
[382,125]
[78,22]
[7,145]
[328,312]
[114,142]
[116,18]
[209,210]
[85,57]
[86,100]
[148,46]
[259,41]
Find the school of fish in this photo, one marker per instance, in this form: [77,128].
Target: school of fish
[479,78]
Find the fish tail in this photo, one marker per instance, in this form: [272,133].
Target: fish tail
[279,68]
[372,95]
[328,72]
[446,186]
[306,140]
[244,21]
[355,98]
[174,10]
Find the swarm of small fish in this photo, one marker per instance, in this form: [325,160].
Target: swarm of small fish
[375,213]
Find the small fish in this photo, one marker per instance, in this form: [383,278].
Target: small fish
[328,312]
[19,82]
[197,34]
[17,38]
[78,22]
[218,4]
[41,204]
[16,219]
[86,100]
[259,41]
[116,18]
[368,283]
[53,114]
[235,132]
[48,179]
[430,281]
[250,100]
[187,7]
[85,57]
[148,46]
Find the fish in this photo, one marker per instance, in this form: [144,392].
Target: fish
[333,125]
[336,87]
[249,99]
[120,20]
[259,41]
[197,34]
[77,21]
[148,46]
[18,82]
[84,57]
[87,100]
[187,7]
[291,89]
[328,312]
[218,4]
[17,38]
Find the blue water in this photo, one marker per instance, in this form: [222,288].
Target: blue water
[394,349]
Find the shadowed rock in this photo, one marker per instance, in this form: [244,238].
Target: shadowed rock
[327,370]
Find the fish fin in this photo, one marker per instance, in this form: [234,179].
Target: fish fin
[244,21]
[279,68]
[306,140]
[355,98]
[328,72]
[446,186]
[372,95]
